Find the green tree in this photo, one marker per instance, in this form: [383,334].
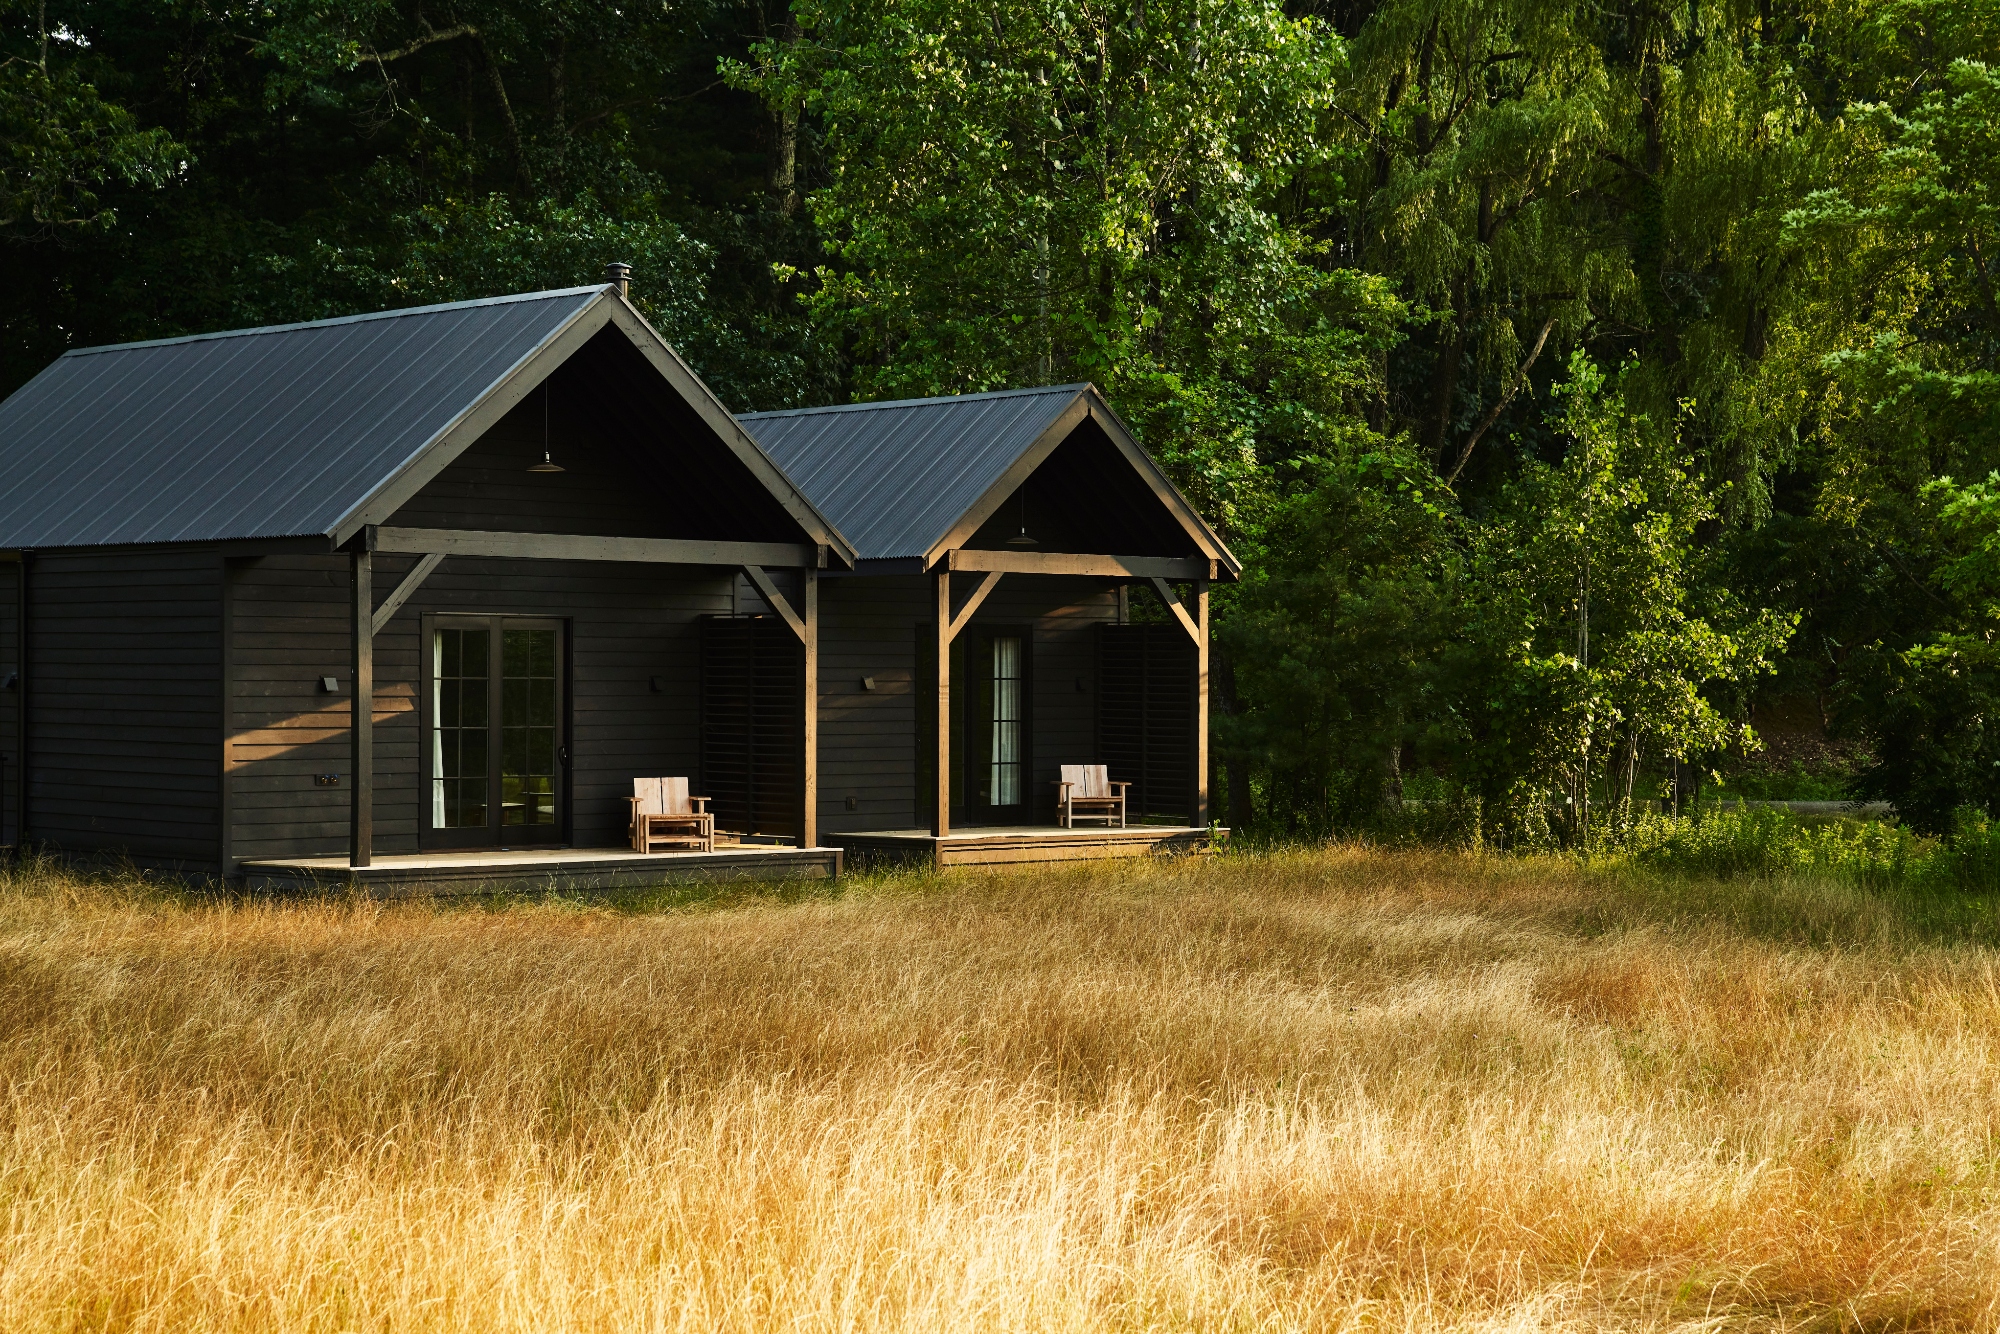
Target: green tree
[1036,193]
[1596,635]
[62,143]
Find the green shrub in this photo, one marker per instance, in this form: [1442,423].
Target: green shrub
[1765,842]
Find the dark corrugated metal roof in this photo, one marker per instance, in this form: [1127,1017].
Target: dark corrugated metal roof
[276,432]
[895,477]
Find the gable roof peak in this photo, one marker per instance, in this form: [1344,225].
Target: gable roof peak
[907,478]
[307,430]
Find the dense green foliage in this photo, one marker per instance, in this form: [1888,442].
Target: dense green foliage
[1571,377]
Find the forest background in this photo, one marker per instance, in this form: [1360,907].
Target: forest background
[1582,383]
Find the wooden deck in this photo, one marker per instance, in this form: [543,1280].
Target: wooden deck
[558,869]
[1011,845]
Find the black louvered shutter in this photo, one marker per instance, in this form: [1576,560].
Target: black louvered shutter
[1145,714]
[753,722]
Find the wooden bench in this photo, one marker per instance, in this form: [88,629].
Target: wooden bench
[1084,792]
[665,816]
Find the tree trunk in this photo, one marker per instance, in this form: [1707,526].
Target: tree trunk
[781,182]
[515,144]
[1444,385]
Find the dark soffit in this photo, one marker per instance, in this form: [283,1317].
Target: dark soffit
[252,433]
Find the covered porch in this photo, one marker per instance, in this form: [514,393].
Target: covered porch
[525,613]
[1031,603]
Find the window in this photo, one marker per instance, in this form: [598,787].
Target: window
[1006,753]
[459,689]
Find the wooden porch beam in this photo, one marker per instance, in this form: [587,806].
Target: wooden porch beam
[401,593]
[777,599]
[1062,562]
[568,546]
[985,586]
[1173,602]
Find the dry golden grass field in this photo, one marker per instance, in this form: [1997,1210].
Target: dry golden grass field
[1304,1091]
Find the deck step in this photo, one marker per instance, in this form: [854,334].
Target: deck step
[566,870]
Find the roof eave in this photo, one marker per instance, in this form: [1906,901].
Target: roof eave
[486,409]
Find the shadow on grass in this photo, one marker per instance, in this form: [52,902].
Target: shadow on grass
[1818,911]
[1589,899]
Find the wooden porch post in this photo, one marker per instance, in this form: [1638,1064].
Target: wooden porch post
[22,683]
[809,788]
[1200,820]
[941,821]
[361,731]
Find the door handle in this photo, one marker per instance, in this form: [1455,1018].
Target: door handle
[562,756]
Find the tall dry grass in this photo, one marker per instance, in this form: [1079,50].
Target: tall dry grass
[1307,1091]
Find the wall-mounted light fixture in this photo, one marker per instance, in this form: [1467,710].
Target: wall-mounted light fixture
[13,681]
[867,683]
[328,686]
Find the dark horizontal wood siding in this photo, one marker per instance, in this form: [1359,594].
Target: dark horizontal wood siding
[628,624]
[869,627]
[124,717]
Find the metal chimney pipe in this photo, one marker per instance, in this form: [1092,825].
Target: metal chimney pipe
[619,276]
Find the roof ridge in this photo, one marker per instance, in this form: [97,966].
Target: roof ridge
[336,320]
[1076,388]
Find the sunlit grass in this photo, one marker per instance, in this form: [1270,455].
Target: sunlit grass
[1295,1091]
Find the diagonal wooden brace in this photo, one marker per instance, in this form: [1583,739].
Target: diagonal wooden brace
[776,599]
[401,593]
[1180,613]
[972,602]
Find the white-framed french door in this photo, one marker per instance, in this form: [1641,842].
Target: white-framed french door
[495,743]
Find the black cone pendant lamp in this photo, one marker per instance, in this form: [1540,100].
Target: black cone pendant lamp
[547,464]
[1021,539]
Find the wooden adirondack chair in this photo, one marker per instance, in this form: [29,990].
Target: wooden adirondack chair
[1084,792]
[665,816]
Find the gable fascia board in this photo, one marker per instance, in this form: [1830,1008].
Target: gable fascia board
[485,411]
[1009,481]
[727,429]
[1088,403]
[1163,486]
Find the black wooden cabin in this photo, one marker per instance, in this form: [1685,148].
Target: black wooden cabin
[985,635]
[527,534]
[505,522]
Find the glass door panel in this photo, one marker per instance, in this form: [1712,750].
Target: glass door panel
[528,780]
[460,686]
[1004,780]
